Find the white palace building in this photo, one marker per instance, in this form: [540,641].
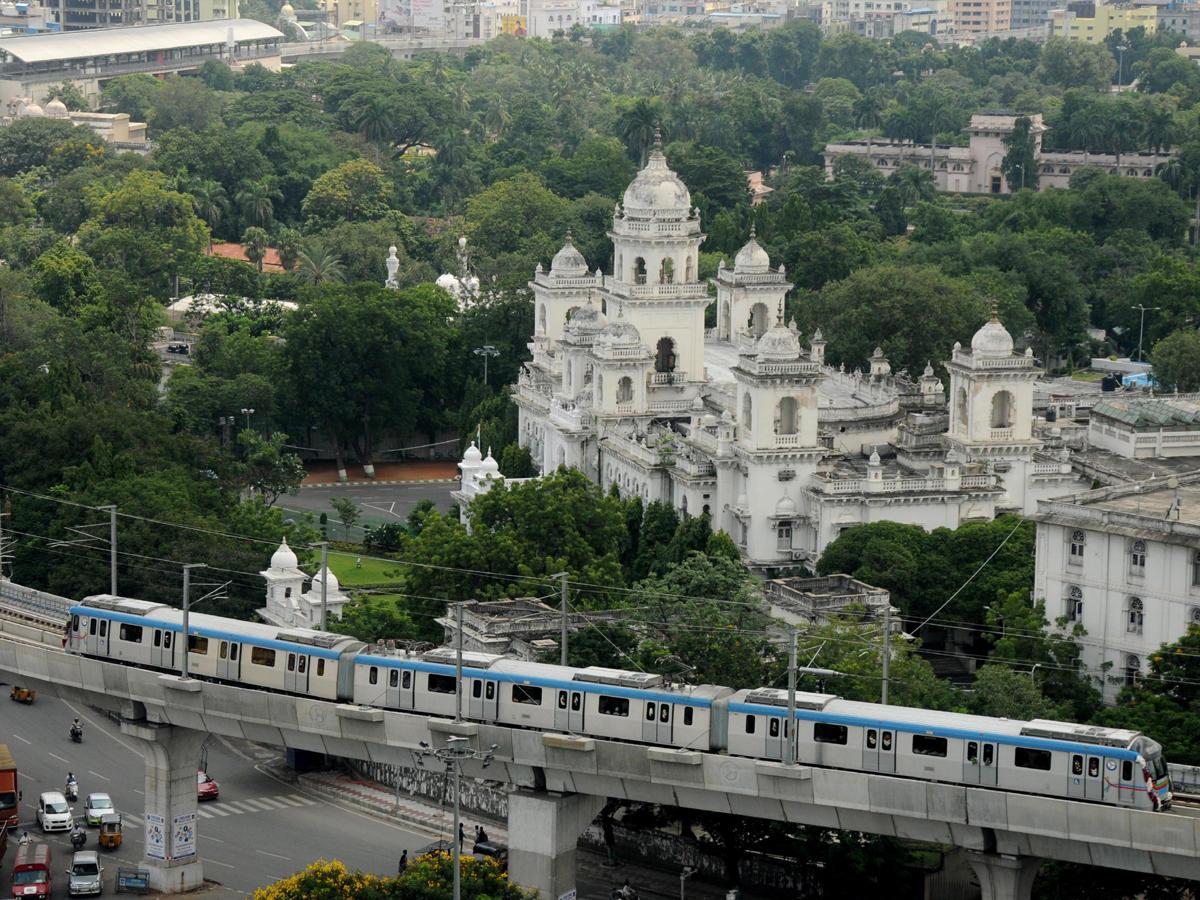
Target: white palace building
[743,421]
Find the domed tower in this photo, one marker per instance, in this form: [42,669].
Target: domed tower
[621,362]
[567,286]
[656,247]
[776,393]
[284,584]
[578,337]
[748,293]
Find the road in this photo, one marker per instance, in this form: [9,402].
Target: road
[380,502]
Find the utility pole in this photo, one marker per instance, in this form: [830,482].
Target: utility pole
[789,758]
[563,639]
[112,548]
[887,649]
[187,586]
[1142,327]
[458,700]
[324,545]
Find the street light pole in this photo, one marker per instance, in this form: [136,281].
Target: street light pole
[187,585]
[1121,48]
[324,545]
[789,758]
[1142,327]
[112,548]
[247,413]
[563,639]
[486,351]
[887,650]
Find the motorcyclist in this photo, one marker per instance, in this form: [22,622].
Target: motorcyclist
[72,785]
[78,835]
[76,727]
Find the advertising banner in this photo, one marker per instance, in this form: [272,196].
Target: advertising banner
[184,830]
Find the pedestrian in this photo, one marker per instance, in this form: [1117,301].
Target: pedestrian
[480,835]
[358,565]
[403,862]
[462,836]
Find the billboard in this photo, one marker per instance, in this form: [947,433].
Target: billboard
[410,13]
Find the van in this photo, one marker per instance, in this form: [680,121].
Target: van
[84,874]
[53,812]
[31,872]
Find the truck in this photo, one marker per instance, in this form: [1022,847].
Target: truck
[10,795]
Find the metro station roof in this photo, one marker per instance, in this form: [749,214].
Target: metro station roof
[37,48]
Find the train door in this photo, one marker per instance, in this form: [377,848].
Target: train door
[392,692]
[302,661]
[650,723]
[1125,793]
[775,731]
[1093,778]
[99,627]
[575,712]
[666,715]
[224,650]
[879,750]
[407,681]
[484,702]
[156,648]
[289,670]
[1075,766]
[979,764]
[561,700]
[568,711]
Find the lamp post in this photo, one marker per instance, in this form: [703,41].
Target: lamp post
[453,756]
[1121,48]
[1142,327]
[247,413]
[486,351]
[187,585]
[324,545]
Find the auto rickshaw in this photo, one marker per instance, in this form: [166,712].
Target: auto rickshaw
[22,694]
[110,831]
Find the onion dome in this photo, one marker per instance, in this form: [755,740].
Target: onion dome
[657,189]
[587,318]
[778,345]
[569,262]
[743,502]
[786,506]
[33,111]
[874,460]
[331,582]
[284,557]
[489,466]
[472,457]
[993,339]
[752,258]
[56,109]
[620,333]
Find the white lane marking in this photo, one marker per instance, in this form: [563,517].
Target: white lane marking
[133,820]
[23,775]
[239,806]
[211,838]
[274,804]
[289,801]
[303,800]
[19,738]
[257,805]
[207,860]
[59,758]
[204,814]
[276,855]
[216,810]
[136,791]
[98,775]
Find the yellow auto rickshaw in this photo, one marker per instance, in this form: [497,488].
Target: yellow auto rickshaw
[110,831]
[22,694]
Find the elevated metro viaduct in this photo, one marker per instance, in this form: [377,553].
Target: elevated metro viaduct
[562,780]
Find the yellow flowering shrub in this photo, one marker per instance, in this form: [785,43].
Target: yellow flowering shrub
[428,878]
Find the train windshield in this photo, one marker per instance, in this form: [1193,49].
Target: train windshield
[1158,766]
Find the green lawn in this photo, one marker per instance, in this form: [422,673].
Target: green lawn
[1087,375]
[373,571]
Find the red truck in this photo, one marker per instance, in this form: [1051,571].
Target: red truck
[10,796]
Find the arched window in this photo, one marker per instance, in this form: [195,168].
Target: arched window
[625,390]
[1134,616]
[1078,539]
[1064,171]
[599,395]
[1148,173]
[759,316]
[1194,617]
[960,408]
[639,271]
[1113,171]
[690,270]
[1002,410]
[1074,603]
[1137,558]
[664,357]
[666,271]
[1133,668]
[748,415]
[788,418]
[542,319]
[1196,568]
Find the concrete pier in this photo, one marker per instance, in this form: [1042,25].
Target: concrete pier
[543,831]
[1004,877]
[170,850]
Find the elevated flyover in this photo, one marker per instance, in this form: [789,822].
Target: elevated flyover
[562,780]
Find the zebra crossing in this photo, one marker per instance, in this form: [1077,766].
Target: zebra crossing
[239,807]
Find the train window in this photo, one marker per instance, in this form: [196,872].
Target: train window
[1028,758]
[166,640]
[321,668]
[664,713]
[197,644]
[872,738]
[773,729]
[157,638]
[1093,766]
[1077,764]
[1127,770]
[75,623]
[292,661]
[523,693]
[972,752]
[405,681]
[262,656]
[394,678]
[562,699]
[887,742]
[613,706]
[92,626]
[303,664]
[233,651]
[477,689]
[576,701]
[441,684]
[373,675]
[824,733]
[222,649]
[131,633]
[104,628]
[989,754]
[651,711]
[750,724]
[489,692]
[687,716]
[926,745]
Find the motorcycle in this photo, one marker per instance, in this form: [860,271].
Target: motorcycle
[625,892]
[78,836]
[76,733]
[71,791]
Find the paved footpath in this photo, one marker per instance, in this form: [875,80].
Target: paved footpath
[596,878]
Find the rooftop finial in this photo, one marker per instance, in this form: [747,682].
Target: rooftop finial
[779,320]
[995,316]
[753,231]
[568,234]
[657,138]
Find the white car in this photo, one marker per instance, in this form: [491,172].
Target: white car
[53,812]
[97,806]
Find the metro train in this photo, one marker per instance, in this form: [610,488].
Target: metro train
[1047,758]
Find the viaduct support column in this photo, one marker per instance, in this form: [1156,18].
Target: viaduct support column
[170,851]
[1004,877]
[543,830]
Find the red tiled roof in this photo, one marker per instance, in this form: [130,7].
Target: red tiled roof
[238,252]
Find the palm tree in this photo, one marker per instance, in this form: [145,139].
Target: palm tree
[1159,130]
[288,242]
[257,200]
[685,120]
[637,124]
[901,123]
[496,116]
[868,114]
[318,264]
[914,184]
[1122,130]
[377,122]
[1184,181]
[1085,130]
[452,150]
[255,242]
[210,203]
[935,111]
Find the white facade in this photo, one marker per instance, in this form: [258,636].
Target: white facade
[1124,562]
[1147,429]
[287,604]
[741,422]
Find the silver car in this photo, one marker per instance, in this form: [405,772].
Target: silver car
[85,874]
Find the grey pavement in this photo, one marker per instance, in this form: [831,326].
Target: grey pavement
[381,503]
